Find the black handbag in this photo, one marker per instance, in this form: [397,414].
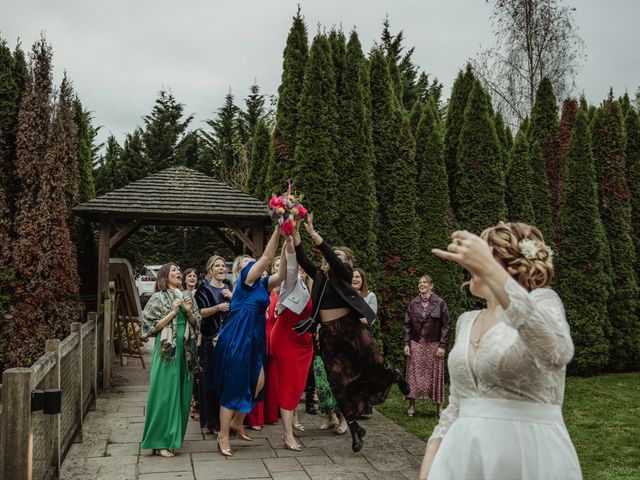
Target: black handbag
[310,324]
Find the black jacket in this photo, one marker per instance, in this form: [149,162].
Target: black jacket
[340,280]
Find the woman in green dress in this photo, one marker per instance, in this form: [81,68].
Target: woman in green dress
[172,316]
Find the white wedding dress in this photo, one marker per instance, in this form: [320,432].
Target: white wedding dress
[504,418]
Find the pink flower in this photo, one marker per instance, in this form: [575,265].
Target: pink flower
[302,212]
[276,202]
[287,227]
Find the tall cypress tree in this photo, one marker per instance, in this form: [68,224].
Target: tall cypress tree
[260,154]
[543,128]
[164,128]
[455,118]
[314,172]
[355,164]
[46,294]
[416,115]
[435,217]
[399,237]
[632,128]
[284,136]
[480,194]
[584,283]
[252,114]
[609,155]
[518,181]
[134,164]
[502,138]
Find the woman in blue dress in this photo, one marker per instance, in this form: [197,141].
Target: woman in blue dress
[240,351]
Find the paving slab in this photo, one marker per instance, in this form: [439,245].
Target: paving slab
[110,449]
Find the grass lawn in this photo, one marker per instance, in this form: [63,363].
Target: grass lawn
[602,415]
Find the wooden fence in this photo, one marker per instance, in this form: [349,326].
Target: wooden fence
[33,444]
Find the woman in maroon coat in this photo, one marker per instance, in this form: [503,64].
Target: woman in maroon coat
[426,334]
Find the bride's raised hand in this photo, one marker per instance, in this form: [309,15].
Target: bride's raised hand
[308,224]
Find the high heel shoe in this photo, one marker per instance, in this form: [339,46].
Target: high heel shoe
[299,427]
[296,447]
[226,452]
[239,435]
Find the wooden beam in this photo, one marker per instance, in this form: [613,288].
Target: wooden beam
[124,233]
[225,239]
[242,236]
[104,251]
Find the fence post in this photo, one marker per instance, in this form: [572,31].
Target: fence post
[78,361]
[53,345]
[16,423]
[106,350]
[93,319]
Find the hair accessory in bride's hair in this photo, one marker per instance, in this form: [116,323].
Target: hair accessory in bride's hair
[528,248]
[287,210]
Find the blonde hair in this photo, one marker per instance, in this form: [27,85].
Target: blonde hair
[505,240]
[211,262]
[235,269]
[428,279]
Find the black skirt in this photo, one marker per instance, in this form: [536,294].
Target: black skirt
[357,373]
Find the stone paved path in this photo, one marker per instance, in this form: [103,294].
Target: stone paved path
[110,448]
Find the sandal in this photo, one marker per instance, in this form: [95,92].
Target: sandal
[163,452]
[327,425]
[299,427]
[342,429]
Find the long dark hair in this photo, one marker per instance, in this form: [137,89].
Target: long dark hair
[364,288]
[162,279]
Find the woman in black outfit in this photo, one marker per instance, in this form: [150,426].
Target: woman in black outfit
[355,368]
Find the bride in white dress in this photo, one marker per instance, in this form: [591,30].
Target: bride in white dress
[507,367]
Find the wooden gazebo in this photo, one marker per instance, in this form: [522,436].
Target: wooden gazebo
[176,196]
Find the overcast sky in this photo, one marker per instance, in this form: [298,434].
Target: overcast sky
[120,53]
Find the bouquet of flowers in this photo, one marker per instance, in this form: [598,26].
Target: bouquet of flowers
[287,210]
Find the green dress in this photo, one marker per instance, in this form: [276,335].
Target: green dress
[169,400]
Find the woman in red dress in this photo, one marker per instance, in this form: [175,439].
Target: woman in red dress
[291,353]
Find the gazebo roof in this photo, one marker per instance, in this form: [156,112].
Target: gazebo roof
[177,195]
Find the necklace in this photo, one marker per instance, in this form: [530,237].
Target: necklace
[476,343]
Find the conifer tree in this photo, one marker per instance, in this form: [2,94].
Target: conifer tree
[480,193]
[435,217]
[416,115]
[632,129]
[164,129]
[519,179]
[567,118]
[223,135]
[502,138]
[109,175]
[547,172]
[355,164]
[260,155]
[338,45]
[254,112]
[314,174]
[46,294]
[615,210]
[455,118]
[134,164]
[285,132]
[584,285]
[188,150]
[399,241]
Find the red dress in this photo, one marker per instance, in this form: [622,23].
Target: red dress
[266,411]
[292,354]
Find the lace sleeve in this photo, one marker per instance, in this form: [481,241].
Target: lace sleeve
[540,320]
[448,415]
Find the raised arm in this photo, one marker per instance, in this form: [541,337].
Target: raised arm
[277,278]
[305,262]
[255,272]
[292,264]
[338,267]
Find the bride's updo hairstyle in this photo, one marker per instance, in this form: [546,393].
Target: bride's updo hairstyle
[521,250]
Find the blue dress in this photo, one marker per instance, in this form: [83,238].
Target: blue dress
[240,351]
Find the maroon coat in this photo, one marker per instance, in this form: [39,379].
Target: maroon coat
[432,325]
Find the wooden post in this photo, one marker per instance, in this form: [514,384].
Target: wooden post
[93,318]
[106,348]
[53,436]
[103,257]
[78,364]
[258,240]
[17,439]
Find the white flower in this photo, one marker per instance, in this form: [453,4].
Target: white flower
[528,248]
